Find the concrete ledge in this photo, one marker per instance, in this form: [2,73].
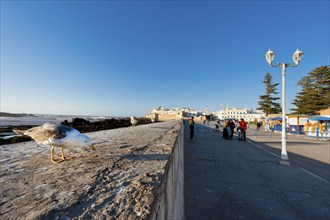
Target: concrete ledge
[170,203]
[135,173]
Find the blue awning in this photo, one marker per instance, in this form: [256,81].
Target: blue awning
[275,119]
[319,118]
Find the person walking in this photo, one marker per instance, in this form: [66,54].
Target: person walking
[258,125]
[192,127]
[244,126]
[240,132]
[224,131]
[231,127]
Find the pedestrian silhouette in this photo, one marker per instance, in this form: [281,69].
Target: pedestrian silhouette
[192,127]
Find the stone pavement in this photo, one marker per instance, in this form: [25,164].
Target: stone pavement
[243,180]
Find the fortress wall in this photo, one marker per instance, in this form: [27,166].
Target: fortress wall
[170,203]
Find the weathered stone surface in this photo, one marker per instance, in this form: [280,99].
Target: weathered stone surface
[117,181]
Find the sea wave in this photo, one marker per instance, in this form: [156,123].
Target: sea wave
[16,121]
[41,119]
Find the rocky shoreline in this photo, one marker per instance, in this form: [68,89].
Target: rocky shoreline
[80,124]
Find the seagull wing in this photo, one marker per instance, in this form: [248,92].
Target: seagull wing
[42,134]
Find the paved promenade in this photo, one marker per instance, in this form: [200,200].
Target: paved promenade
[243,180]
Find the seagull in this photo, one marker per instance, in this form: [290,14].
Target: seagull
[55,135]
[134,121]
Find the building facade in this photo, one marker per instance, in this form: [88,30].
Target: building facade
[238,113]
[160,113]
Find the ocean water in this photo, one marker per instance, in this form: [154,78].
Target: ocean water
[39,120]
[28,120]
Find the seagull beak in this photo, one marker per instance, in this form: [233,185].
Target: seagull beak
[92,147]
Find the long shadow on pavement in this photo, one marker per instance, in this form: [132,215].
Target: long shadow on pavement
[236,180]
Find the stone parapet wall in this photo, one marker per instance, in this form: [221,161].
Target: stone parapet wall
[164,117]
[170,203]
[134,173]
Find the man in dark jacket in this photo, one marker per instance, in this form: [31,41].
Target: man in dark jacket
[192,127]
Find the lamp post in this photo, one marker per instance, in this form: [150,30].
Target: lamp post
[297,56]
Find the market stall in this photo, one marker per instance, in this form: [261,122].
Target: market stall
[318,126]
[275,123]
[296,124]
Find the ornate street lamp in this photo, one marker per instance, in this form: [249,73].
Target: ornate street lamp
[297,56]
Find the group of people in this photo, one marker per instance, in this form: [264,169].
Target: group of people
[228,130]
[229,127]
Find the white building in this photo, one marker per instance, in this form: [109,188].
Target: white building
[163,110]
[187,112]
[238,113]
[229,112]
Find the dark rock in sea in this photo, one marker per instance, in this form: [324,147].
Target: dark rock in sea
[13,140]
[80,124]
[84,126]
[76,123]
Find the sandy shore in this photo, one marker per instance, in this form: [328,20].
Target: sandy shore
[117,181]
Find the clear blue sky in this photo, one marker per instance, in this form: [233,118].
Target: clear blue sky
[123,58]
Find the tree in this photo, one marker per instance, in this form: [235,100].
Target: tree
[315,92]
[267,102]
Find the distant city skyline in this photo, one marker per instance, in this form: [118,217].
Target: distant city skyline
[19,114]
[123,58]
